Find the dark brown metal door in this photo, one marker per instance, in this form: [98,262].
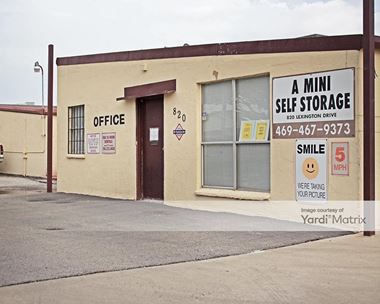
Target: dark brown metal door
[150,148]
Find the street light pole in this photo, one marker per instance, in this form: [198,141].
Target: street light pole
[37,68]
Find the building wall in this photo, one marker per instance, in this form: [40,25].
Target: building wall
[98,85]
[24,139]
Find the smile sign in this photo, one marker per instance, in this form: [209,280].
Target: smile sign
[311,176]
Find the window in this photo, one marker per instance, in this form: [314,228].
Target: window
[235,134]
[76,130]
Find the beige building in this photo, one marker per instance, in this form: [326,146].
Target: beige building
[23,135]
[218,120]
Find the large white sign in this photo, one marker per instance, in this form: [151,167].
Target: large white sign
[311,173]
[314,105]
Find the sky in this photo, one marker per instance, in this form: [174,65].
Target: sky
[79,27]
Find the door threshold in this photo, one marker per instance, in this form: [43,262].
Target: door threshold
[152,200]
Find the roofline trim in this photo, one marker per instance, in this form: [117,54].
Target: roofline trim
[26,110]
[303,44]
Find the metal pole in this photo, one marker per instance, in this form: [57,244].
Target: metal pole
[369,109]
[42,75]
[50,120]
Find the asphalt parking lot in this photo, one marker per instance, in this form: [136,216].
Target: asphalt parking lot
[47,236]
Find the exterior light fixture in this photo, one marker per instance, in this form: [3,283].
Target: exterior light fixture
[37,69]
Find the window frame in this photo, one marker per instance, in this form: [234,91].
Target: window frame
[235,140]
[76,146]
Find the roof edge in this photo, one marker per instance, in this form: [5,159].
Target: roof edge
[302,44]
[26,109]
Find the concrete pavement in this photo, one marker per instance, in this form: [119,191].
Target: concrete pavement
[339,270]
[68,235]
[48,236]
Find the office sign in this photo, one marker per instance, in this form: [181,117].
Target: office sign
[109,120]
[311,170]
[314,105]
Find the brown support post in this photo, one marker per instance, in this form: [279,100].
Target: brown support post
[369,110]
[50,120]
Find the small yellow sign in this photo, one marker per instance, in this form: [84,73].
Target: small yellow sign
[246,130]
[261,130]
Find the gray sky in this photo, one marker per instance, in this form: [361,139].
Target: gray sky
[79,27]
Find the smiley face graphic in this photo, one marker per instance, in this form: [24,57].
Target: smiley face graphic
[310,168]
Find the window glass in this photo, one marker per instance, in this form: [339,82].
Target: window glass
[253,167]
[217,112]
[251,155]
[252,100]
[218,165]
[76,130]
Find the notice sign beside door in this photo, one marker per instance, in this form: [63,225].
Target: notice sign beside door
[109,143]
[93,143]
[311,175]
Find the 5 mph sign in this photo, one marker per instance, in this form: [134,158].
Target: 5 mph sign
[339,158]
